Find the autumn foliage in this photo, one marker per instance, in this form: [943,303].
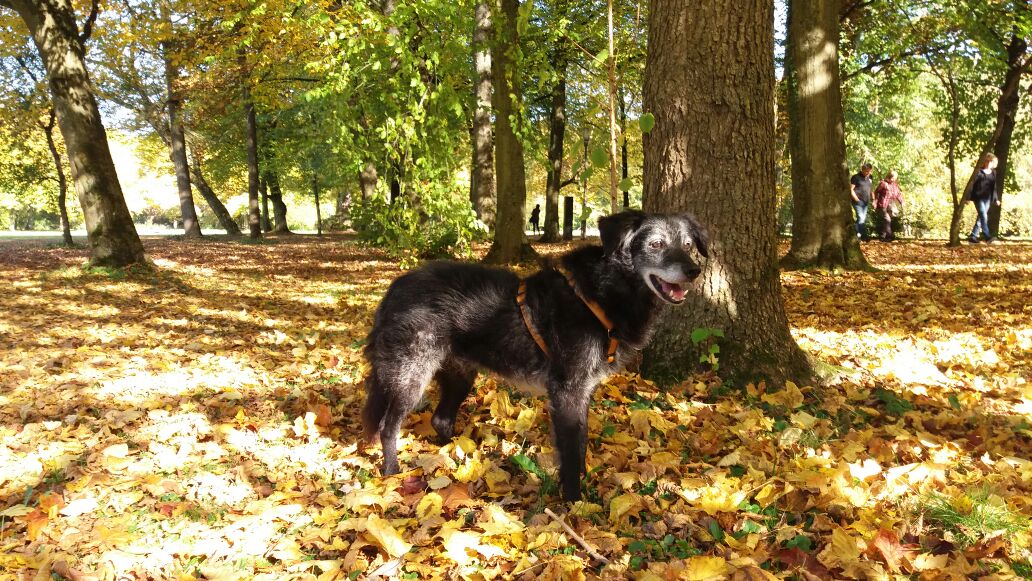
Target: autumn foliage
[199,419]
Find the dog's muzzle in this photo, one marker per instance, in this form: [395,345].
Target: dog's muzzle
[670,287]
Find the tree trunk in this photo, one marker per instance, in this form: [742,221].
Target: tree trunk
[263,191]
[510,243]
[109,226]
[367,181]
[614,205]
[823,229]
[711,153]
[556,136]
[279,209]
[62,181]
[482,186]
[624,166]
[1006,117]
[254,223]
[318,210]
[177,138]
[217,207]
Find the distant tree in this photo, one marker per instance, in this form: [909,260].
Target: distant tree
[711,153]
[510,244]
[52,25]
[482,182]
[823,232]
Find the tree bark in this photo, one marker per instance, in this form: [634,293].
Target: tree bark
[614,205]
[482,179]
[823,229]
[556,137]
[318,210]
[624,166]
[279,209]
[254,224]
[263,191]
[510,243]
[177,137]
[367,181]
[1006,118]
[109,226]
[62,181]
[217,207]
[711,153]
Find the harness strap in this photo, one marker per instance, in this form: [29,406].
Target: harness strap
[600,314]
[521,300]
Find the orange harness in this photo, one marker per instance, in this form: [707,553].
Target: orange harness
[595,308]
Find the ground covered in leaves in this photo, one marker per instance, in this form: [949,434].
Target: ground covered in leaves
[200,420]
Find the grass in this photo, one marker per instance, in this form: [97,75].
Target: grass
[972,517]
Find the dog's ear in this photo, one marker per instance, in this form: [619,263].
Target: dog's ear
[617,230]
[698,233]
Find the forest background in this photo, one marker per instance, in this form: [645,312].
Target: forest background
[387,89]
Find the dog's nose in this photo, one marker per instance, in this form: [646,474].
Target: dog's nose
[692,272]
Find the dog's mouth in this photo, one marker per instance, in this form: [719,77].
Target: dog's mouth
[671,292]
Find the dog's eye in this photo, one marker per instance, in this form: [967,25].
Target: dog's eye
[657,244]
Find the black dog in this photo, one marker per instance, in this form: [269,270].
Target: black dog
[564,329]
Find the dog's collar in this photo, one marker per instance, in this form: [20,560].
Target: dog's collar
[597,310]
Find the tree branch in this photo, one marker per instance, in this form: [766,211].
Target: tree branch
[87,27]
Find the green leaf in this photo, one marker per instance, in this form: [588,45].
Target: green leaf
[600,58]
[626,184]
[646,122]
[599,157]
[954,402]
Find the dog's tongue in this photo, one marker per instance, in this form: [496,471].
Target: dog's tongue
[672,290]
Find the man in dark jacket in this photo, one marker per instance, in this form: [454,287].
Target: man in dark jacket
[860,192]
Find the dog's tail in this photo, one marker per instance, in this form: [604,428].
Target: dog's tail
[375,408]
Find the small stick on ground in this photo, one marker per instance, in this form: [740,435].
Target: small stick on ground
[576,537]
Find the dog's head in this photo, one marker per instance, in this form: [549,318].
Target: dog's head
[657,247]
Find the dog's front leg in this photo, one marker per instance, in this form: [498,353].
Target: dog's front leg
[568,403]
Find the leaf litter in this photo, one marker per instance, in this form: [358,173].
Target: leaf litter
[199,419]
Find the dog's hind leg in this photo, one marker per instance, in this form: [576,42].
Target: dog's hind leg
[403,385]
[455,381]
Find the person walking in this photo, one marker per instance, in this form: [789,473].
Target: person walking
[535,217]
[889,200]
[860,192]
[983,194]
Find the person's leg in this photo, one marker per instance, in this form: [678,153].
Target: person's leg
[861,219]
[886,229]
[983,217]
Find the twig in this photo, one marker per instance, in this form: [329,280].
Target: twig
[576,537]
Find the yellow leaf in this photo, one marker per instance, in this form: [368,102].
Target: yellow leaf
[430,505]
[706,568]
[790,397]
[386,536]
[525,421]
[457,542]
[624,504]
[842,551]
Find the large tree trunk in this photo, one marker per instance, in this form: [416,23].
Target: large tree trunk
[177,138]
[1006,117]
[217,207]
[263,191]
[62,181]
[367,181]
[109,226]
[614,205]
[711,153]
[254,219]
[624,166]
[482,179]
[279,209]
[318,210]
[823,229]
[510,243]
[556,136]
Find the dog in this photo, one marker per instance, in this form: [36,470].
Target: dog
[564,329]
